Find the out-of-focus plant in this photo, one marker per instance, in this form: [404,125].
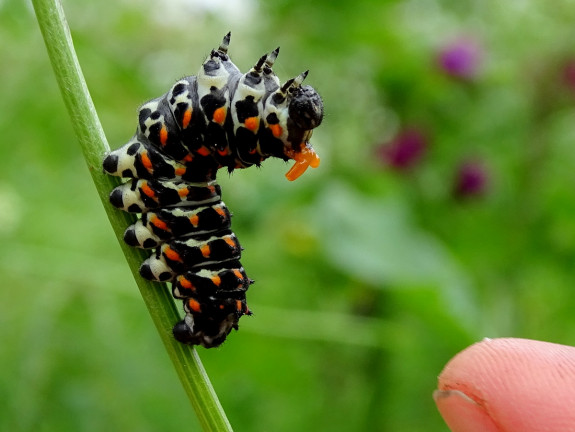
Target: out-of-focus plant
[460,58]
[569,74]
[470,180]
[404,150]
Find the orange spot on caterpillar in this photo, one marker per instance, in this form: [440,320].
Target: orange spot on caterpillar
[276,130]
[188,158]
[186,118]
[239,306]
[220,115]
[230,241]
[238,274]
[305,158]
[148,191]
[171,254]
[205,249]
[146,161]
[163,135]
[252,123]
[223,152]
[185,283]
[194,220]
[158,223]
[180,171]
[216,280]
[220,211]
[194,306]
[183,192]
[203,151]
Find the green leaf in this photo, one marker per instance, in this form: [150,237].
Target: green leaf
[377,242]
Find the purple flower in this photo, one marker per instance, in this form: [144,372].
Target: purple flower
[569,74]
[404,150]
[460,58]
[471,180]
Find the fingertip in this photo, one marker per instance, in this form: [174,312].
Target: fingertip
[519,384]
[463,414]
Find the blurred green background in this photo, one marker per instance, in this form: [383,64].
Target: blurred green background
[442,212]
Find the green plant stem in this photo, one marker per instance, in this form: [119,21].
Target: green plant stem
[89,132]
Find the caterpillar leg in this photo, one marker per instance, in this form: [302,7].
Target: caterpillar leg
[184,334]
[206,331]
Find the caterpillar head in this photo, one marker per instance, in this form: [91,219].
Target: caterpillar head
[292,112]
[306,108]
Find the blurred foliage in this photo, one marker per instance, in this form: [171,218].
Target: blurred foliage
[370,274]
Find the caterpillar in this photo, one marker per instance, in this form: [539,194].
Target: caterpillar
[219,118]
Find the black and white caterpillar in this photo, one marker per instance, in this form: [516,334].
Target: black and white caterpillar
[218,118]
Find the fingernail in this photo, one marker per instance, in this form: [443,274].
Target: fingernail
[463,414]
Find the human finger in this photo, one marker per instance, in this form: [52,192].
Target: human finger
[507,385]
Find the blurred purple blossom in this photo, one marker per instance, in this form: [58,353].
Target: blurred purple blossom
[569,74]
[404,150]
[460,58]
[471,180]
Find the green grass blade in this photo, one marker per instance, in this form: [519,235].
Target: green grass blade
[89,132]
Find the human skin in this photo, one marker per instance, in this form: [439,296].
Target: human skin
[509,385]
